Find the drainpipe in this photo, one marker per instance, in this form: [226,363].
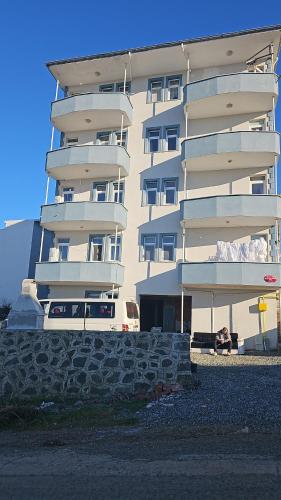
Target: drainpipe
[182,307]
[115,245]
[212,313]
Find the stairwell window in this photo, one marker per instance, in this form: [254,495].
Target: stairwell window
[155,90]
[151,192]
[167,250]
[115,248]
[63,248]
[258,184]
[153,141]
[171,138]
[67,194]
[149,247]
[169,192]
[118,192]
[173,86]
[100,191]
[96,247]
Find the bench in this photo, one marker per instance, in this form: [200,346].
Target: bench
[204,342]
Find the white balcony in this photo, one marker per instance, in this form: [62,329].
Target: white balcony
[79,273]
[88,162]
[234,94]
[230,150]
[84,216]
[231,211]
[230,275]
[92,111]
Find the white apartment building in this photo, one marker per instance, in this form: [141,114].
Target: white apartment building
[167,183]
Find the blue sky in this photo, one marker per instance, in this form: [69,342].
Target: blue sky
[33,32]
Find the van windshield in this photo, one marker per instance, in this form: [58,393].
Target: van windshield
[66,310]
[132,310]
[100,310]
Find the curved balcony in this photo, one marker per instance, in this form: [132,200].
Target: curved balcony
[79,273]
[88,162]
[230,150]
[233,94]
[91,111]
[229,275]
[84,216]
[231,211]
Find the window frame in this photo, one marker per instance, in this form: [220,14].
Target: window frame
[68,191]
[143,245]
[155,79]
[104,86]
[111,246]
[95,191]
[119,87]
[103,132]
[167,87]
[119,192]
[173,245]
[258,180]
[63,243]
[147,144]
[261,121]
[166,137]
[91,245]
[164,191]
[146,190]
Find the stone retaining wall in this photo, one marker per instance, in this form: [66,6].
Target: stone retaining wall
[45,363]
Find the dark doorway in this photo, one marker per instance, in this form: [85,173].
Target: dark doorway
[164,311]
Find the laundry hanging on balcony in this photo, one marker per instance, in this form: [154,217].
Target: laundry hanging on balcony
[254,251]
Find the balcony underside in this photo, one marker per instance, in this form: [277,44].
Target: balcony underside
[231,211]
[91,112]
[230,150]
[84,216]
[79,273]
[88,162]
[233,94]
[229,275]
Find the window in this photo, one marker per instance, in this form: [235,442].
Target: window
[96,252]
[132,310]
[103,138]
[169,196]
[173,85]
[149,245]
[117,138]
[67,310]
[151,188]
[108,87]
[115,249]
[99,294]
[118,195]
[100,191]
[153,140]
[120,87]
[67,194]
[63,247]
[171,138]
[168,243]
[100,310]
[155,90]
[257,125]
[258,184]
[72,141]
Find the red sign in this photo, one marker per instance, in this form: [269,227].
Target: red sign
[270,279]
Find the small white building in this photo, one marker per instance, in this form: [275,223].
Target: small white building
[166,178]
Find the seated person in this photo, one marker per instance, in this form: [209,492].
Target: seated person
[223,340]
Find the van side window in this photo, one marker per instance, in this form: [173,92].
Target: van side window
[102,310]
[132,310]
[66,310]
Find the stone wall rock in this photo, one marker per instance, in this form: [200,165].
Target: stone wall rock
[47,363]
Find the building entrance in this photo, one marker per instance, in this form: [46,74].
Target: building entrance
[164,311]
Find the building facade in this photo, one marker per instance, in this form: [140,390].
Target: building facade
[166,183]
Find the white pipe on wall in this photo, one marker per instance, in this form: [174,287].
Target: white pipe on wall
[182,308]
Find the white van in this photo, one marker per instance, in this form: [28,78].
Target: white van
[91,314]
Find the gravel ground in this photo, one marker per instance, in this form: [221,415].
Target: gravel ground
[241,391]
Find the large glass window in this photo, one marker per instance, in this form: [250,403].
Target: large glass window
[115,248]
[101,310]
[67,194]
[173,84]
[100,191]
[149,246]
[153,138]
[63,247]
[96,253]
[258,184]
[171,137]
[169,191]
[66,310]
[151,188]
[168,242]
